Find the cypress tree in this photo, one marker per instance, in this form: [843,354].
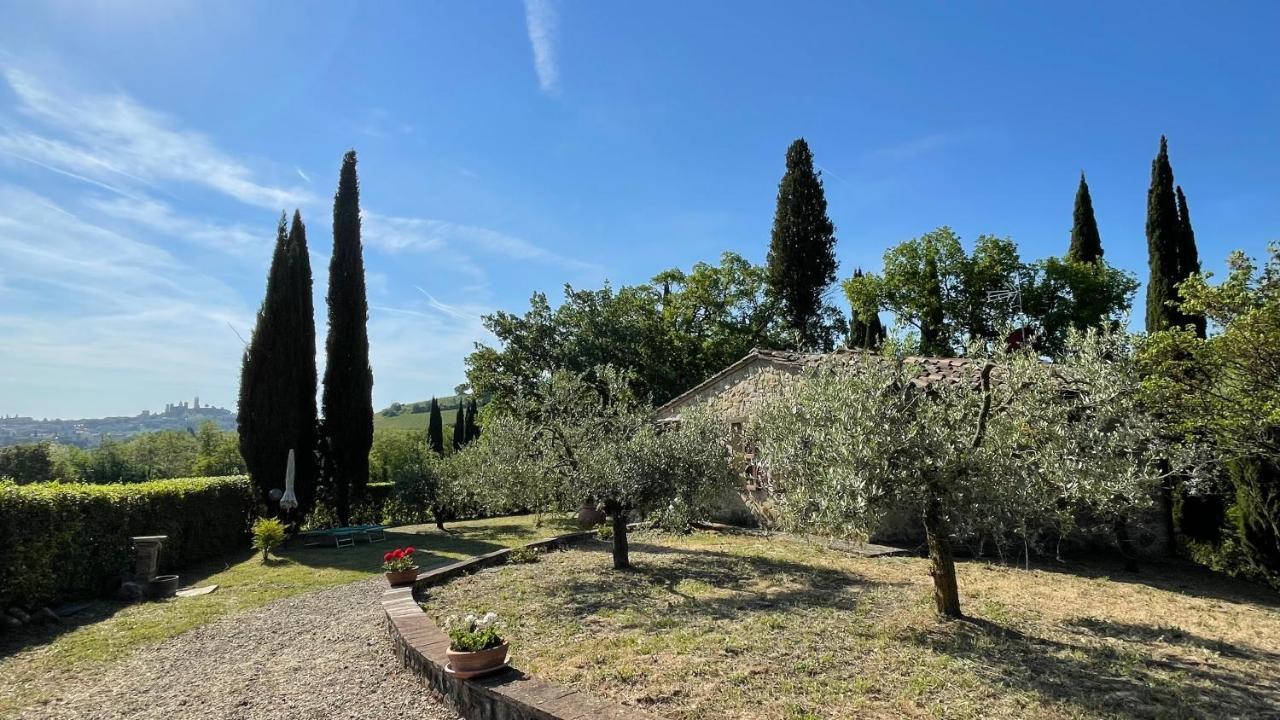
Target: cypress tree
[301,367]
[1188,255]
[435,429]
[802,262]
[473,427]
[460,426]
[1164,230]
[1086,243]
[348,378]
[868,333]
[263,442]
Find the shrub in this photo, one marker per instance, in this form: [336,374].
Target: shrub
[268,533]
[473,634]
[523,555]
[604,531]
[72,539]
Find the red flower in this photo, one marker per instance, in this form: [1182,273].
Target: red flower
[387,556]
[397,554]
[408,550]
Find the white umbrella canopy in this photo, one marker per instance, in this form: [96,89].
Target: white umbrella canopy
[289,501]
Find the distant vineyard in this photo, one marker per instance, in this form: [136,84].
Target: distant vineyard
[413,421]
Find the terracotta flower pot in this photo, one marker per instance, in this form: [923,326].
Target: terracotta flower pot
[403,577]
[470,664]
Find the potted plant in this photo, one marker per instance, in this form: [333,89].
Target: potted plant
[476,646]
[399,567]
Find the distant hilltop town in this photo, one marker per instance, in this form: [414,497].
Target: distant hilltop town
[91,432]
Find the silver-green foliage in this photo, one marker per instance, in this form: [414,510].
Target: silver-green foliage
[586,435]
[847,444]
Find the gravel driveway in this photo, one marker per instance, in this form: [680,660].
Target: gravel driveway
[315,656]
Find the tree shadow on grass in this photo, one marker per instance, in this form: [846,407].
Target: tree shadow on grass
[734,584]
[1176,576]
[1171,635]
[1105,678]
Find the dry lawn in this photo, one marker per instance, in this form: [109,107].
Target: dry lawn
[726,626]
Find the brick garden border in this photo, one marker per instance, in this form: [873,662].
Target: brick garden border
[506,695]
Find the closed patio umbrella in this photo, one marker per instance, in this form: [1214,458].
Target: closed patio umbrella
[289,501]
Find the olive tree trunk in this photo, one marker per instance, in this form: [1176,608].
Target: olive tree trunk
[942,564]
[621,558]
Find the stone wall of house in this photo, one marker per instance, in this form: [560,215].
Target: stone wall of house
[737,394]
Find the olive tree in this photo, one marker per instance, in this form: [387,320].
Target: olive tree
[1014,441]
[576,436]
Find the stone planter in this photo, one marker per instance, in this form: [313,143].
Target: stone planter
[162,586]
[589,516]
[403,577]
[474,664]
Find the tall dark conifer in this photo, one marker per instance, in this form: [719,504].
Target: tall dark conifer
[802,262]
[348,378]
[1164,231]
[277,408]
[435,429]
[473,423]
[460,426]
[301,372]
[263,442]
[1188,255]
[1086,243]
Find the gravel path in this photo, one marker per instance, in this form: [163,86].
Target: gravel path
[315,656]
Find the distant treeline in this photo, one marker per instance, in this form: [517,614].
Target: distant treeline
[204,452]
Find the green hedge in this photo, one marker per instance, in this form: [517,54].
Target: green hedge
[60,540]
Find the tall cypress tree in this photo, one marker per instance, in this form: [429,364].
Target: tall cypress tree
[1188,255]
[473,425]
[300,410]
[1164,231]
[348,378]
[435,429]
[460,426]
[1086,243]
[865,333]
[264,444]
[802,262]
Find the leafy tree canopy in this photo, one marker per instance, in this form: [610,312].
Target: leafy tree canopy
[938,294]
[679,327]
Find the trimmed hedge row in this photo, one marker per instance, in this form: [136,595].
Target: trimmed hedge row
[60,540]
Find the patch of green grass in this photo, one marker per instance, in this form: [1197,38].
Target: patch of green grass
[752,627]
[33,660]
[414,421]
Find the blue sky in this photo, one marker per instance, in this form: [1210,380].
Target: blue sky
[147,148]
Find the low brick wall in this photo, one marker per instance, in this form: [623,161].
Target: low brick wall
[505,695]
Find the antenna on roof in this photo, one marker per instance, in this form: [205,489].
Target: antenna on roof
[1007,294]
[1014,293]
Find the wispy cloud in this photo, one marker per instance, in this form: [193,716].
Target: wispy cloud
[96,309]
[400,234]
[922,146]
[303,175]
[540,19]
[113,141]
[159,217]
